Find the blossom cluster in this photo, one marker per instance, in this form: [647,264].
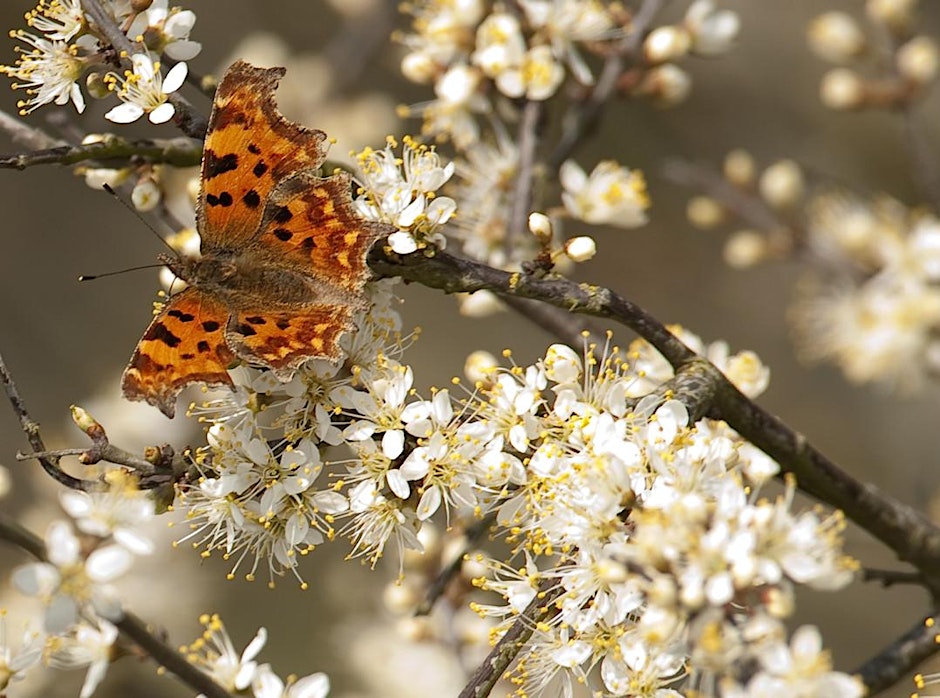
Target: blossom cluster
[870,298]
[65,47]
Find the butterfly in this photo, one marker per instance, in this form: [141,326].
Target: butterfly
[282,268]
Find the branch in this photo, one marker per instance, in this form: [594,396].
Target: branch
[895,662]
[582,117]
[528,140]
[31,429]
[906,531]
[130,625]
[189,120]
[179,152]
[540,609]
[920,152]
[26,135]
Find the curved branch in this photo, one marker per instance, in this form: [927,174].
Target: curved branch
[906,531]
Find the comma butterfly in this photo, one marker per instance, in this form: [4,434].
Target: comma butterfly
[283,260]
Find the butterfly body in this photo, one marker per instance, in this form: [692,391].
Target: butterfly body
[282,265]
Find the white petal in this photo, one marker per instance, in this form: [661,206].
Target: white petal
[125,113]
[175,78]
[393,443]
[76,504]
[402,243]
[255,645]
[163,113]
[430,503]
[398,484]
[36,578]
[61,544]
[61,613]
[107,563]
[313,686]
[133,541]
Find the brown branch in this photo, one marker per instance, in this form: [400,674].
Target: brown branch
[582,118]
[921,154]
[31,429]
[889,578]
[130,625]
[186,117]
[528,140]
[906,531]
[179,152]
[491,669]
[26,135]
[894,663]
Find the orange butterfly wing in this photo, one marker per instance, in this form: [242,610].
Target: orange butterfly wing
[184,343]
[249,148]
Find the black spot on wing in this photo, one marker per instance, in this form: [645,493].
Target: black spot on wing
[213,165]
[256,320]
[251,199]
[245,330]
[224,199]
[282,214]
[181,316]
[202,346]
[210,326]
[282,234]
[259,169]
[162,334]
[253,149]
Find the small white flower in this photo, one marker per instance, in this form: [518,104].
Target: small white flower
[166,31]
[713,31]
[267,684]
[89,646]
[145,91]
[68,581]
[15,663]
[611,194]
[49,73]
[215,654]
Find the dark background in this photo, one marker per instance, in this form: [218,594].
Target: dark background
[66,342]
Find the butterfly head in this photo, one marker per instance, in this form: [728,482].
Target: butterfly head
[205,272]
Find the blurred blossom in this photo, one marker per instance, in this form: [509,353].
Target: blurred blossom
[611,194]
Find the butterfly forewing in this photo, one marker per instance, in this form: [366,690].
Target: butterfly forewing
[249,148]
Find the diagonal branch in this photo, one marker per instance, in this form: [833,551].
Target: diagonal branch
[906,531]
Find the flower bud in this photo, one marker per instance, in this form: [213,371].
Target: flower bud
[146,195]
[842,89]
[895,14]
[917,60]
[668,85]
[666,44]
[581,248]
[745,249]
[479,366]
[705,213]
[836,37]
[739,168]
[541,226]
[782,184]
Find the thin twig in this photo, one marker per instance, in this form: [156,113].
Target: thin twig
[583,117]
[491,669]
[749,208]
[26,135]
[437,587]
[180,152]
[189,120]
[31,429]
[528,141]
[888,578]
[906,531]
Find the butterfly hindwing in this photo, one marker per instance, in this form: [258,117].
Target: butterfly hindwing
[282,339]
[184,343]
[309,223]
[249,148]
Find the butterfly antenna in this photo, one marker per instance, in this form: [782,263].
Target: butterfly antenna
[130,207]
[92,277]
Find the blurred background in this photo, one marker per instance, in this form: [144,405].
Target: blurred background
[68,343]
